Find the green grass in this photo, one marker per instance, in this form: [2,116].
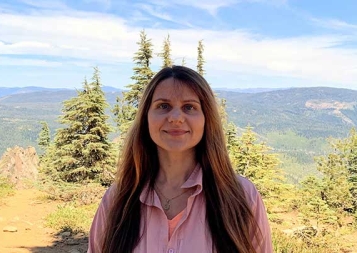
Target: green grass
[283,243]
[287,244]
[6,188]
[69,217]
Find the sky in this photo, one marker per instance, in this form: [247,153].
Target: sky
[247,43]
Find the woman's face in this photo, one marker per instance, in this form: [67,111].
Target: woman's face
[175,117]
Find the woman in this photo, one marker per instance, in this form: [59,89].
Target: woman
[176,190]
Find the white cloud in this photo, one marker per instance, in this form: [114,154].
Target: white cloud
[7,61]
[211,6]
[93,39]
[90,37]
[155,11]
[45,4]
[272,2]
[312,58]
[29,44]
[138,16]
[334,24]
[106,4]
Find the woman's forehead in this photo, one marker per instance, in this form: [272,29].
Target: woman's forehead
[174,88]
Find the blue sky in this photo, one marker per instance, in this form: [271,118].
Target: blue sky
[248,43]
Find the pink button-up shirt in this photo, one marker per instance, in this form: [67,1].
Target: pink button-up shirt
[191,233]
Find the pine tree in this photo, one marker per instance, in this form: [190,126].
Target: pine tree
[339,170]
[183,63]
[336,187]
[254,160]
[314,210]
[127,105]
[348,148]
[81,151]
[200,60]
[222,110]
[232,138]
[229,128]
[44,136]
[166,53]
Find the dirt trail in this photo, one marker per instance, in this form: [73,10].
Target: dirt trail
[26,211]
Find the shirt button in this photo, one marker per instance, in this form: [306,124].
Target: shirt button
[171,251]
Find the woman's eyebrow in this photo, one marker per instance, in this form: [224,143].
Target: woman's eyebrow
[185,101]
[192,101]
[161,99]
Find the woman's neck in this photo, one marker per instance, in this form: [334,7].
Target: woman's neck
[175,169]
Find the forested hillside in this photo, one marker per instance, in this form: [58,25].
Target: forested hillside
[21,114]
[295,122]
[310,112]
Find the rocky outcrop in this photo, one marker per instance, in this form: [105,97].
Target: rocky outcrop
[335,108]
[19,165]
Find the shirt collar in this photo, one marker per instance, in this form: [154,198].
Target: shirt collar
[195,179]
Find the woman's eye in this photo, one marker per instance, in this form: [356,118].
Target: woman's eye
[164,106]
[189,107]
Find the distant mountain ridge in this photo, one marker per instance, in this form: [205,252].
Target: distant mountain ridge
[294,121]
[250,90]
[311,112]
[5,91]
[299,109]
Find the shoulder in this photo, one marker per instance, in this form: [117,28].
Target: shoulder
[108,197]
[250,190]
[262,243]
[99,222]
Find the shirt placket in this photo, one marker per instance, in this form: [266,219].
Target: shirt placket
[173,245]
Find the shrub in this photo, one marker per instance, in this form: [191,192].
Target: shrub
[69,192]
[283,243]
[6,188]
[69,217]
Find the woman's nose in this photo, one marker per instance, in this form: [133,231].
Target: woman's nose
[176,115]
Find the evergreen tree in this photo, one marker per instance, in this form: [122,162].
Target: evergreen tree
[348,149]
[81,151]
[254,161]
[222,110]
[44,136]
[127,105]
[340,174]
[166,53]
[229,128]
[314,210]
[336,187]
[232,138]
[200,60]
[183,63]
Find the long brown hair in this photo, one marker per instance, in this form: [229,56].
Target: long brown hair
[228,215]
